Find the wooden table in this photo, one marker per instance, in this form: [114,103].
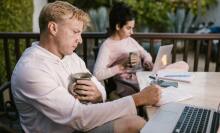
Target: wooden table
[205,89]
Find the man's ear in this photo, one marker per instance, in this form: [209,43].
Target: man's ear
[52,28]
[117,27]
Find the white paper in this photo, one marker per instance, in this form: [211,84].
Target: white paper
[169,94]
[172,94]
[176,76]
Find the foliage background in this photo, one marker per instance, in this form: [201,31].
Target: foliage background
[15,16]
[153,14]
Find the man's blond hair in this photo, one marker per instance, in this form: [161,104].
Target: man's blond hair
[59,11]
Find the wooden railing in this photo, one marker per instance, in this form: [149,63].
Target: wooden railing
[91,42]
[13,44]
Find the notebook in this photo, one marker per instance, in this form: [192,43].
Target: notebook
[176,76]
[161,61]
[182,118]
[169,94]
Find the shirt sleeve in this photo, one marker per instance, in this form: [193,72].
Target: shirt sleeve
[56,103]
[102,70]
[144,54]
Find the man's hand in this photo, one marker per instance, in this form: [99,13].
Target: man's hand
[148,96]
[87,91]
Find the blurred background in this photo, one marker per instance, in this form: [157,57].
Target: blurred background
[152,16]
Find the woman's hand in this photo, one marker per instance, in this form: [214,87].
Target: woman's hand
[121,68]
[148,65]
[134,59]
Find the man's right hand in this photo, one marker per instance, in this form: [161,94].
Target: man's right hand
[148,96]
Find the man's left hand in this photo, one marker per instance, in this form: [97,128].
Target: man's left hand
[87,91]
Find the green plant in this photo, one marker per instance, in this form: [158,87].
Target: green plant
[151,14]
[90,4]
[183,13]
[15,16]
[158,15]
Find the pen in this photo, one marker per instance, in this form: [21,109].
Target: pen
[156,79]
[177,76]
[151,77]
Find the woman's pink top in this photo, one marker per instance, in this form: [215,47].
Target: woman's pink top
[110,51]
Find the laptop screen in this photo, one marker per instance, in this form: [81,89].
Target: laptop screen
[163,55]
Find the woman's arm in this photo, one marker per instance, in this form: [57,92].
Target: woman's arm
[145,56]
[103,69]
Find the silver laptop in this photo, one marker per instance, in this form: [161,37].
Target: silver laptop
[181,118]
[163,55]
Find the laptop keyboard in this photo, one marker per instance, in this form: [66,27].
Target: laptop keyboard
[192,120]
[215,122]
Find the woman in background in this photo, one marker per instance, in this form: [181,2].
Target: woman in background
[120,55]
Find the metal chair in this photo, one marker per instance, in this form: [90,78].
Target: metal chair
[9,115]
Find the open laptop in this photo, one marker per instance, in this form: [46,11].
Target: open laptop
[181,118]
[164,53]
[162,60]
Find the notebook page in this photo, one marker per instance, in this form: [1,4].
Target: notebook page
[176,76]
[169,94]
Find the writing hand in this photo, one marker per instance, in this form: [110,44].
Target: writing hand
[148,96]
